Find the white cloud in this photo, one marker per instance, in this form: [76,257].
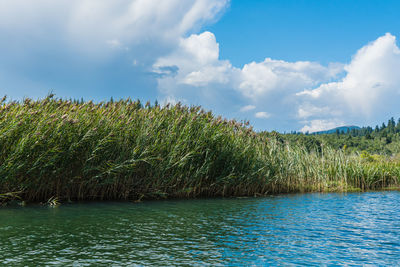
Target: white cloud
[247,108]
[81,47]
[197,64]
[262,115]
[307,110]
[258,79]
[92,26]
[169,100]
[194,68]
[196,60]
[114,43]
[157,36]
[321,125]
[370,89]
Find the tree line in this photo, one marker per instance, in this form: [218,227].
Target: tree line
[382,140]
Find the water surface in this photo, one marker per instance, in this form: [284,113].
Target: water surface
[309,229]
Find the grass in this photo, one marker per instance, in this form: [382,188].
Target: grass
[72,150]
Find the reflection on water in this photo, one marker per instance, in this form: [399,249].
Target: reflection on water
[304,229]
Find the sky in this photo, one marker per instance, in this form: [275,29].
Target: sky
[285,65]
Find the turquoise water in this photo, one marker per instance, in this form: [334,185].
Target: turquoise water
[308,229]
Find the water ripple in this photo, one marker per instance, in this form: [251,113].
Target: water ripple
[309,229]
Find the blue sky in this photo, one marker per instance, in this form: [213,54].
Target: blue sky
[284,65]
[291,30]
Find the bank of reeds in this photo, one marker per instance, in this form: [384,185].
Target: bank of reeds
[122,150]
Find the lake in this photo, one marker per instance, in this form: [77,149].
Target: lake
[300,229]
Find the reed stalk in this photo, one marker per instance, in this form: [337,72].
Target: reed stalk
[121,150]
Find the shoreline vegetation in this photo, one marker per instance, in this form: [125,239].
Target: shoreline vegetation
[60,150]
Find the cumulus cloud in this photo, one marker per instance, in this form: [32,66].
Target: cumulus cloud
[196,59]
[306,110]
[364,91]
[262,115]
[258,79]
[91,24]
[199,71]
[321,125]
[199,75]
[247,108]
[158,41]
[370,89]
[66,35]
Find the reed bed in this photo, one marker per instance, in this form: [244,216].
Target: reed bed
[54,148]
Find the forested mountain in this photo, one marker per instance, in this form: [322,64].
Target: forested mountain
[342,129]
[383,139]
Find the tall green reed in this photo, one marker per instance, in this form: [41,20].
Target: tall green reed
[123,150]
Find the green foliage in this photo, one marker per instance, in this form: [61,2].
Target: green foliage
[57,149]
[367,157]
[383,140]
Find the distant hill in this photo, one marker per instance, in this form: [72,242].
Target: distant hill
[341,129]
